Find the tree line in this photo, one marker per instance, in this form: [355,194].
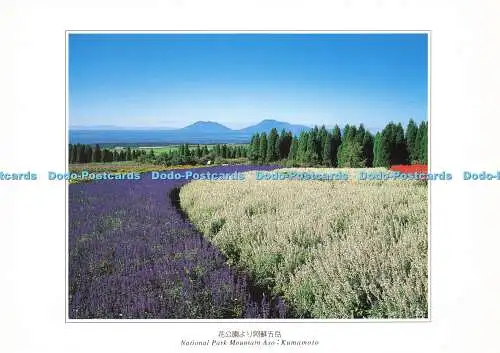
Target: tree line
[186,155]
[354,146]
[80,153]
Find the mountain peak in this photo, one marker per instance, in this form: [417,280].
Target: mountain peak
[206,126]
[267,124]
[269,121]
[205,123]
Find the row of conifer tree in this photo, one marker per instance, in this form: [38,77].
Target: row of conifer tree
[183,154]
[80,153]
[352,147]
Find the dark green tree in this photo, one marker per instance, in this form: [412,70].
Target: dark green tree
[281,144]
[322,140]
[255,148]
[80,153]
[377,159]
[328,151]
[88,154]
[367,144]
[423,142]
[418,144]
[74,157]
[360,134]
[312,155]
[294,148]
[301,155]
[399,154]
[96,154]
[350,151]
[351,154]
[411,137]
[272,152]
[263,148]
[386,146]
[336,142]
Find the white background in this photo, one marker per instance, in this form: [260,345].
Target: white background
[465,134]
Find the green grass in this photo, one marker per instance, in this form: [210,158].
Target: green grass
[167,148]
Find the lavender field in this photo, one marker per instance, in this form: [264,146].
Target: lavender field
[133,255]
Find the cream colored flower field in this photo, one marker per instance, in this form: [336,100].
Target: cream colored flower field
[332,249]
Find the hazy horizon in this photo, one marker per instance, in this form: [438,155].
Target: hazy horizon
[118,127]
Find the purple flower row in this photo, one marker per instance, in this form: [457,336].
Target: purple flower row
[132,255]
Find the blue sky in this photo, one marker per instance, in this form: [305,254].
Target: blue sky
[172,80]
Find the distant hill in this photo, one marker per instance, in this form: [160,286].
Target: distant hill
[268,124]
[203,132]
[208,127]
